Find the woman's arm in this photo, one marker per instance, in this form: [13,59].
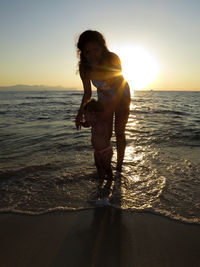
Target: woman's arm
[86,97]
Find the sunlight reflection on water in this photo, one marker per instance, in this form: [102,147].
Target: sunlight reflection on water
[46,164]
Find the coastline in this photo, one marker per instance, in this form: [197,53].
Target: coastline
[99,237]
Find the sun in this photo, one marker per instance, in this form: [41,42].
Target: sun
[139,67]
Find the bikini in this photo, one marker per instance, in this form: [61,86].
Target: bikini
[108,92]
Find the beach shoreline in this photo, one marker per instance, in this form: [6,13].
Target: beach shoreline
[99,237]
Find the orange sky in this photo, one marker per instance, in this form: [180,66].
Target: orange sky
[38,40]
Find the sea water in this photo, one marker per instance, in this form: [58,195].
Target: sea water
[47,165]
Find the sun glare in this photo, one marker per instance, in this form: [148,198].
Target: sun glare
[139,67]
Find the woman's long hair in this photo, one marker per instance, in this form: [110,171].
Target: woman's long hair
[90,36]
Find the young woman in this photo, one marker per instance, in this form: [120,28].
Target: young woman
[103,68]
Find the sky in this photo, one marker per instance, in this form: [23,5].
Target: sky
[38,40]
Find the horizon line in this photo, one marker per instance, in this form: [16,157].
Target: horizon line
[22,87]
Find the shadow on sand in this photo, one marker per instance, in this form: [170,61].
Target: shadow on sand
[95,239]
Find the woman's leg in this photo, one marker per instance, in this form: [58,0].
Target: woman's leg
[121,118]
[107,117]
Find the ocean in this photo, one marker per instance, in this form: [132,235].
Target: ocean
[47,165]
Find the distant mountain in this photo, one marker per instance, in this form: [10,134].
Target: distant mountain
[23,87]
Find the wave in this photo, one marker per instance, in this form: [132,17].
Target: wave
[54,147]
[15,173]
[75,94]
[39,212]
[3,112]
[36,97]
[164,112]
[193,221]
[43,118]
[175,112]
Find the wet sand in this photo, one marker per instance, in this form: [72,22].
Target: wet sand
[101,237]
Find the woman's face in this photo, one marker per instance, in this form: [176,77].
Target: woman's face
[92,52]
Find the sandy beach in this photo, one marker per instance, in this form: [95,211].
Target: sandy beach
[100,237]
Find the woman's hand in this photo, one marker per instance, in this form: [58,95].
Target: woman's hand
[78,121]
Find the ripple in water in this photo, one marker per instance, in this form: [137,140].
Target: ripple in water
[46,165]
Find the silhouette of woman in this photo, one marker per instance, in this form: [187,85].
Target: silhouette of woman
[102,68]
